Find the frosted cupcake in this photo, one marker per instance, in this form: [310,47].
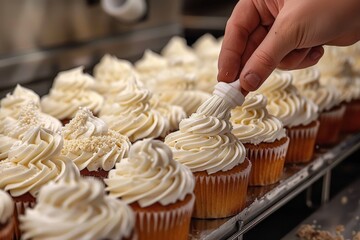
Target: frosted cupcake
[159,190]
[71,89]
[207,48]
[206,77]
[109,71]
[77,208]
[298,114]
[177,88]
[264,138]
[327,98]
[32,162]
[180,55]
[216,157]
[29,115]
[130,114]
[12,103]
[150,64]
[93,147]
[6,216]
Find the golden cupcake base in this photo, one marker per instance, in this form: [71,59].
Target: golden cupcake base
[330,126]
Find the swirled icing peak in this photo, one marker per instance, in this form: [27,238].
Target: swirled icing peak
[32,162]
[77,208]
[12,103]
[284,101]
[253,124]
[204,141]
[207,47]
[150,175]
[90,144]
[6,207]
[131,114]
[151,62]
[179,53]
[71,89]
[307,82]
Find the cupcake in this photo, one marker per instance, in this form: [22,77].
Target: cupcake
[130,113]
[180,55]
[327,98]
[94,148]
[150,64]
[12,103]
[111,70]
[205,144]
[264,138]
[298,114]
[6,216]
[176,87]
[32,162]
[207,48]
[71,89]
[29,115]
[338,69]
[206,77]
[158,189]
[77,208]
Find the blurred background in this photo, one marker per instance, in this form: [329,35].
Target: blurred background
[39,38]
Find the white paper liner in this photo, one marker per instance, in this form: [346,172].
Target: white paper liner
[211,183]
[328,120]
[267,170]
[164,220]
[302,144]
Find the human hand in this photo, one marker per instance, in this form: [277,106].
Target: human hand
[262,35]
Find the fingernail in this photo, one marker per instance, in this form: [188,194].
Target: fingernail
[315,55]
[253,80]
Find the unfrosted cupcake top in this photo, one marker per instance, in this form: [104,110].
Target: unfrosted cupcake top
[110,70]
[71,89]
[131,114]
[253,124]
[207,47]
[151,62]
[204,141]
[90,144]
[308,84]
[32,162]
[150,175]
[179,54]
[284,101]
[12,103]
[77,208]
[6,207]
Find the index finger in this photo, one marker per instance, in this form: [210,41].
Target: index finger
[242,22]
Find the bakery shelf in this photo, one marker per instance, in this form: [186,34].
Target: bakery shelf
[263,201]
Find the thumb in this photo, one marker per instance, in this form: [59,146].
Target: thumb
[276,45]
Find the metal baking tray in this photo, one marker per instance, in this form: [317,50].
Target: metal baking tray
[263,201]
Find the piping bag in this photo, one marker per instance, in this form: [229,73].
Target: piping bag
[226,96]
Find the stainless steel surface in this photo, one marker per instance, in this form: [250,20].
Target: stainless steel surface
[263,201]
[41,37]
[343,209]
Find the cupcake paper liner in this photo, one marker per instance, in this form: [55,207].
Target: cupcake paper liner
[302,143]
[20,210]
[330,126]
[221,194]
[164,222]
[267,163]
[351,121]
[7,231]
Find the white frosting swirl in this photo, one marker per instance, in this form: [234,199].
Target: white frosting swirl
[253,124]
[5,145]
[71,90]
[151,63]
[284,101]
[32,162]
[150,175]
[308,84]
[206,76]
[179,54]
[205,142]
[110,70]
[132,115]
[334,64]
[6,207]
[90,144]
[77,208]
[12,103]
[207,48]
